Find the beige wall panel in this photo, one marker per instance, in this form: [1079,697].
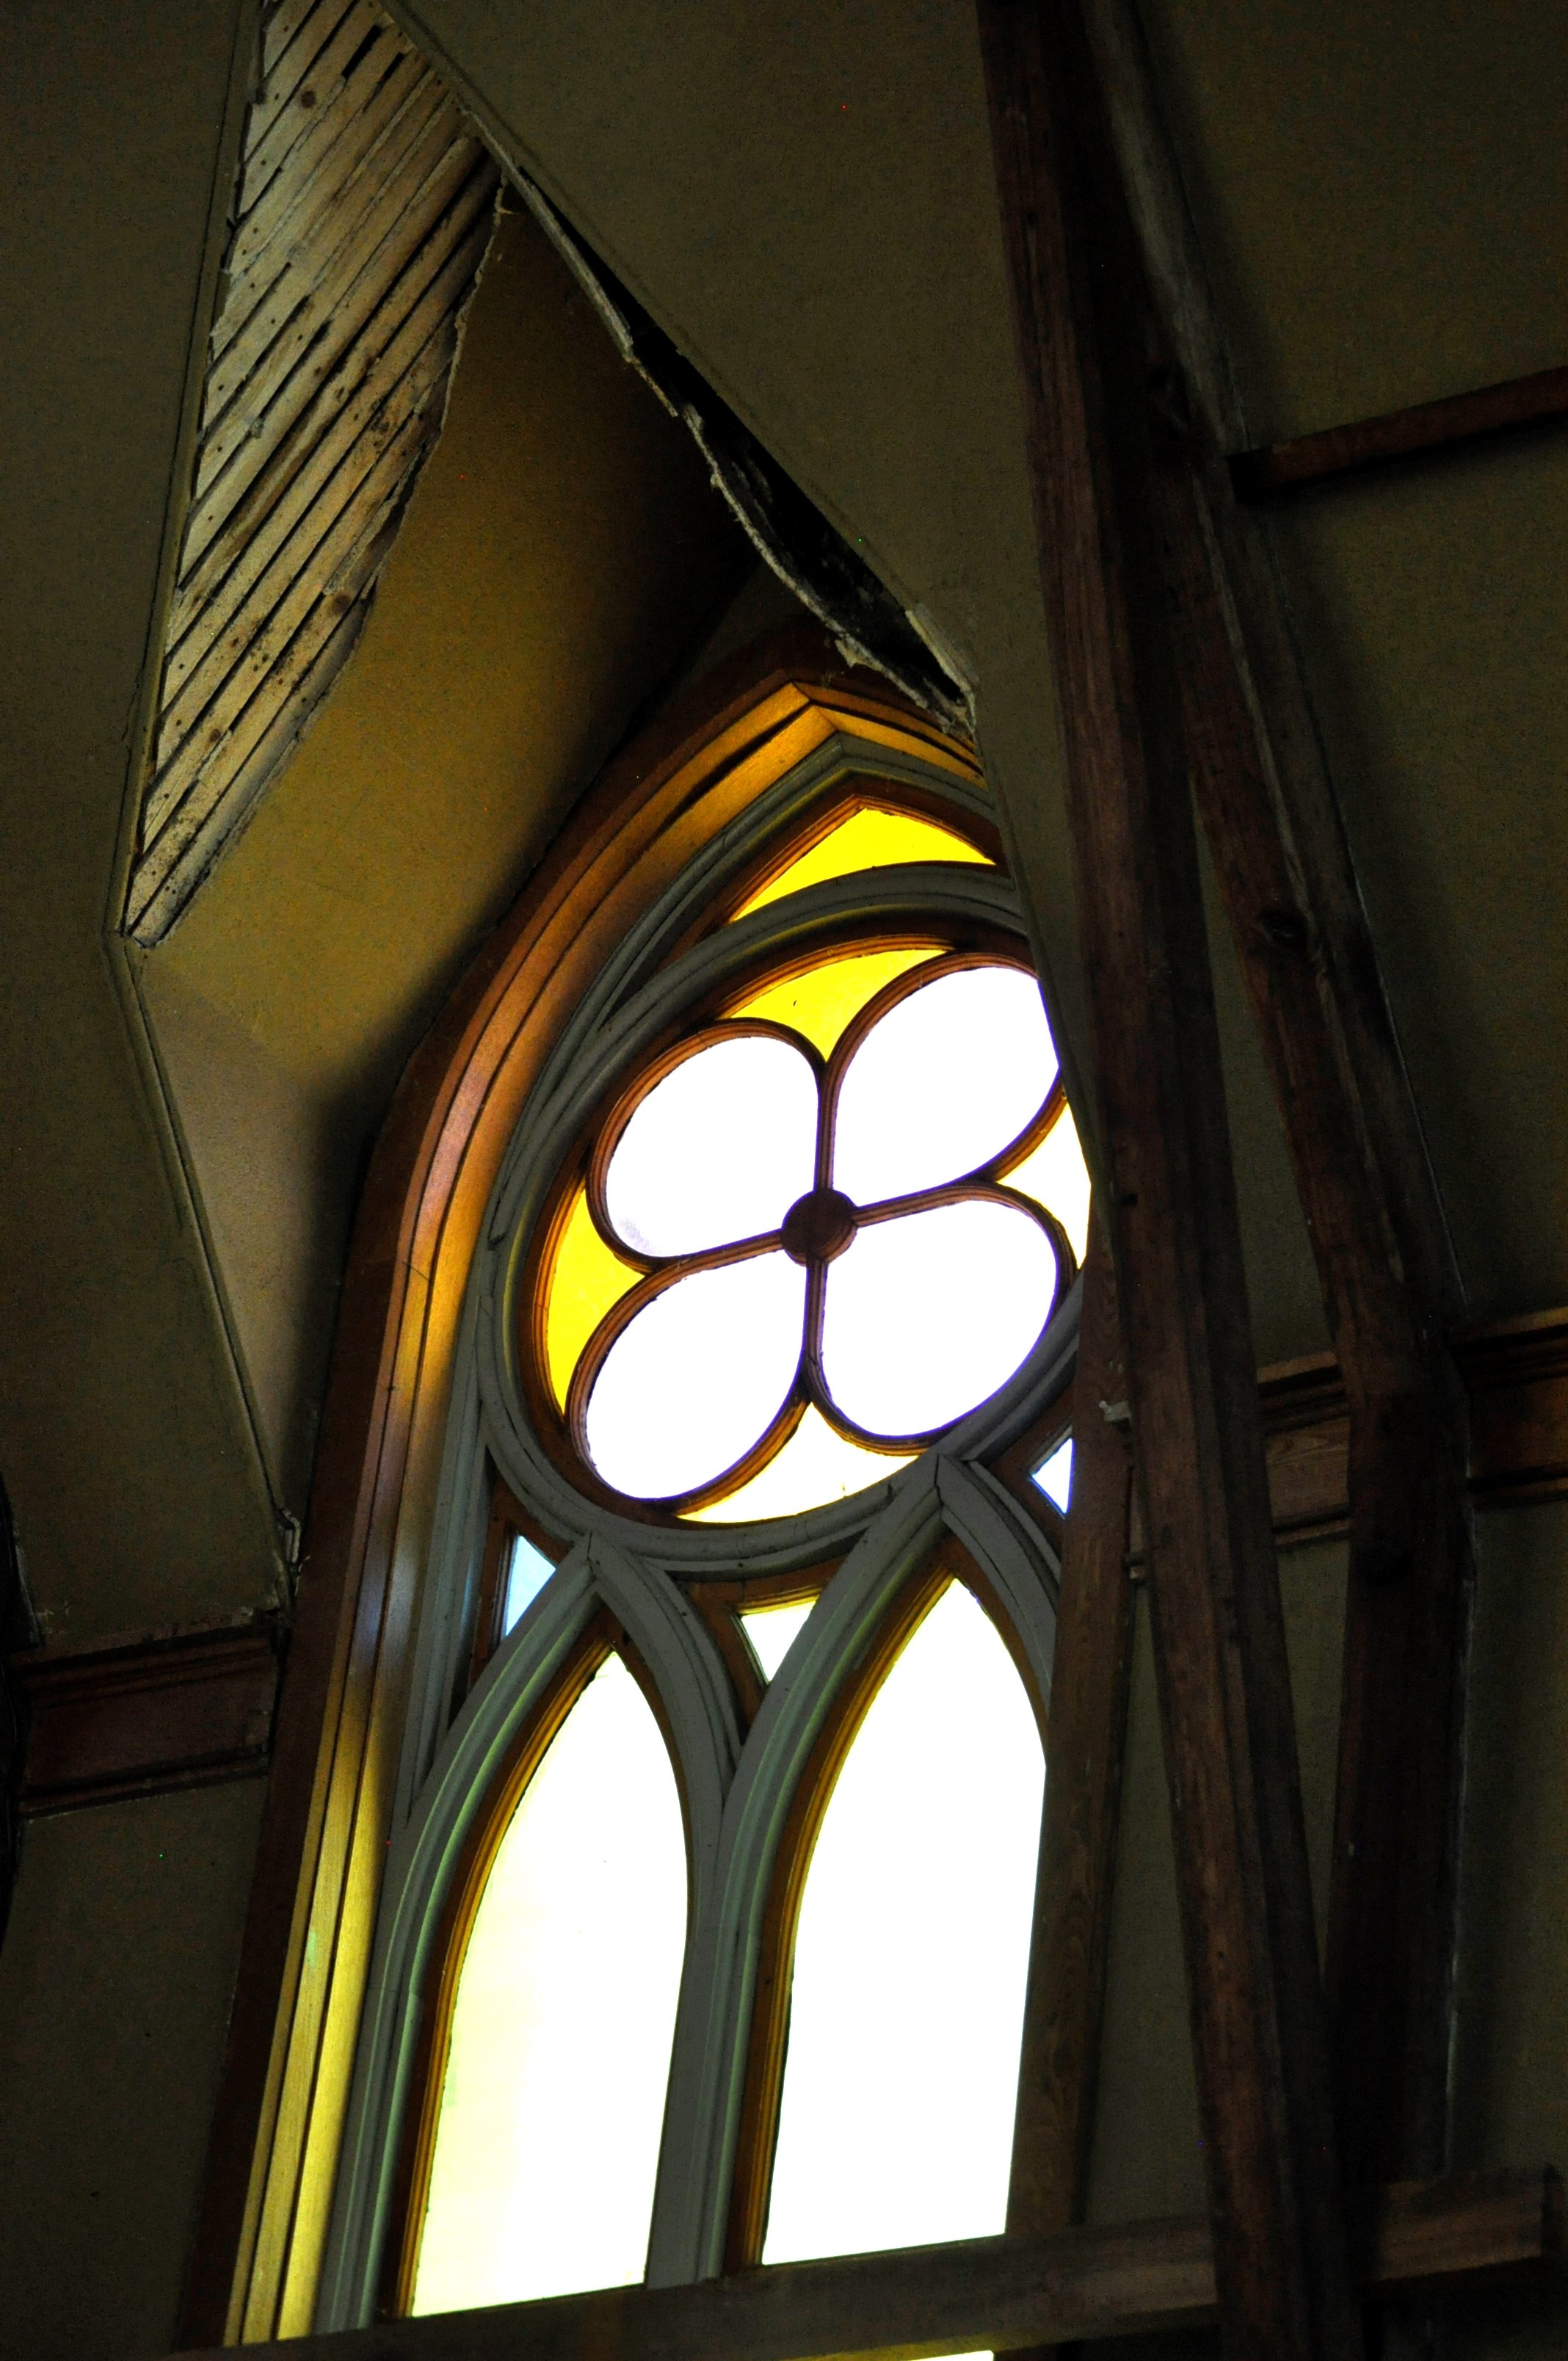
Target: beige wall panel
[807,204]
[1383,203]
[1380,193]
[122,1433]
[1434,612]
[275,1165]
[562,555]
[114,1985]
[1512,2067]
[1147,2157]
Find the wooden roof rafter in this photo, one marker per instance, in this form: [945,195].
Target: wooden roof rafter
[364,210]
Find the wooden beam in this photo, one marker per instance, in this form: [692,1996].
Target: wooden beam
[1515,1373]
[1420,432]
[1391,1287]
[996,2293]
[1220,1652]
[185,1709]
[1059,2061]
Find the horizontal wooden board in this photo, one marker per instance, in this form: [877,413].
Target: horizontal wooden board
[1452,423]
[363,214]
[179,1710]
[1515,1375]
[996,2293]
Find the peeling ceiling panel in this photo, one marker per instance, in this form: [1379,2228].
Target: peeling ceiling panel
[364,213]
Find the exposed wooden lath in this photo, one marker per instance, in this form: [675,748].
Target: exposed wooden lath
[364,207]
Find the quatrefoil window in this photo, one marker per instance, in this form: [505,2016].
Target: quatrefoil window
[813,1232]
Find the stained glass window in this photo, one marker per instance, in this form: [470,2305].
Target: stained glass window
[812,1208]
[561,2023]
[814,1233]
[895,2118]
[871,836]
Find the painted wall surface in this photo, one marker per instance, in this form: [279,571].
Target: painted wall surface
[1512,2060]
[122,1431]
[563,555]
[115,1984]
[1147,2158]
[1382,198]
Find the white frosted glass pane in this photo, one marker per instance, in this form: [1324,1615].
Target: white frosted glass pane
[895,2124]
[927,1315]
[771,1630]
[719,1149]
[527,1573]
[815,1466]
[547,2142]
[694,1378]
[1054,1476]
[942,1082]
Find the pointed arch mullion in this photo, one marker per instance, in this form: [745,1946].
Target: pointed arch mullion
[713,2032]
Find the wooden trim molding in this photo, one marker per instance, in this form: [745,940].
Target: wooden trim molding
[263,2226]
[1002,2294]
[143,1716]
[1421,431]
[1514,1373]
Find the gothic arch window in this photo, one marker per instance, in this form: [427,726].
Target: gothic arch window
[717,1805]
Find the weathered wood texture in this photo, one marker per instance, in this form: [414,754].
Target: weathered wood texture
[1059,2065]
[1257,2002]
[1425,428]
[363,214]
[1390,1284]
[1000,2293]
[181,1709]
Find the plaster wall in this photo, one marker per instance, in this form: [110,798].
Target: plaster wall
[115,1984]
[563,557]
[123,1434]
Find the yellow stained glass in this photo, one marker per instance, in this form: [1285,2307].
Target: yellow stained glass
[1056,1177]
[821,1001]
[584,1279]
[871,838]
[817,1464]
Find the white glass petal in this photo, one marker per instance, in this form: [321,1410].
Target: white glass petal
[906,2007]
[772,1630]
[815,1466]
[927,1315]
[942,1082]
[553,2101]
[719,1149]
[695,1377]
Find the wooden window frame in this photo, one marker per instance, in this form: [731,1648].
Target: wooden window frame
[385,1639]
